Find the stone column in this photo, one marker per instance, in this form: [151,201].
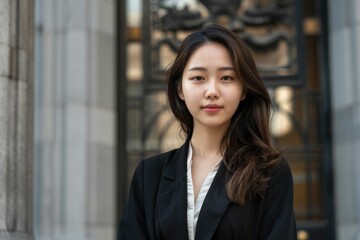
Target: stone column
[344,37]
[74,176]
[16,118]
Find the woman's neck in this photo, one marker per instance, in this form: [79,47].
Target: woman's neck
[207,142]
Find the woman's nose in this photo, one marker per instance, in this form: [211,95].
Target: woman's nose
[212,90]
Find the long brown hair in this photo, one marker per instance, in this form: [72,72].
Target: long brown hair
[249,156]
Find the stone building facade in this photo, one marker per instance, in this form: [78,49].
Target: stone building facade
[344,52]
[57,127]
[16,118]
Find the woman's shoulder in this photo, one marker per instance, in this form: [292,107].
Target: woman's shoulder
[282,174]
[159,162]
[283,166]
[150,170]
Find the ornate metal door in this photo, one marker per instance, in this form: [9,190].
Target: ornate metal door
[273,29]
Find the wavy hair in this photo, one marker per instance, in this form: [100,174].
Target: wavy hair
[248,154]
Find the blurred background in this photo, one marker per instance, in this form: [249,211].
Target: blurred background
[82,102]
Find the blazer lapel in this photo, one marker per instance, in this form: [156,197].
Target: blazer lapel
[214,206]
[172,197]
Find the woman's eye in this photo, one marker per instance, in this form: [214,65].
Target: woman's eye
[227,78]
[197,78]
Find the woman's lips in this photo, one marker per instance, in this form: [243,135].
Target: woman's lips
[211,108]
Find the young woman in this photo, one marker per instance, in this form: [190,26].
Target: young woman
[226,181]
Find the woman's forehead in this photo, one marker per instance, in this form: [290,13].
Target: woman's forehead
[210,54]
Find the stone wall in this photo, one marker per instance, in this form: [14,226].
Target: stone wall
[74,168]
[16,118]
[344,33]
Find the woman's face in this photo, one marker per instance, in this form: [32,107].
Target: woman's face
[210,87]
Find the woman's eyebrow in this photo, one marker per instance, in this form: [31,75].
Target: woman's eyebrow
[205,69]
[197,69]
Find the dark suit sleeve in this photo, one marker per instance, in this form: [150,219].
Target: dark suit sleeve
[132,224]
[278,220]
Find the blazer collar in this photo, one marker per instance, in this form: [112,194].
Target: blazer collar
[176,167]
[214,206]
[172,200]
[172,196]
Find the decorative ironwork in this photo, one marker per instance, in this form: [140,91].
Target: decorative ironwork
[270,28]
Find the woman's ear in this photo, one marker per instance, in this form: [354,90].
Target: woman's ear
[180,92]
[243,95]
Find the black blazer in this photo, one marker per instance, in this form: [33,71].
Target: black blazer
[157,205]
